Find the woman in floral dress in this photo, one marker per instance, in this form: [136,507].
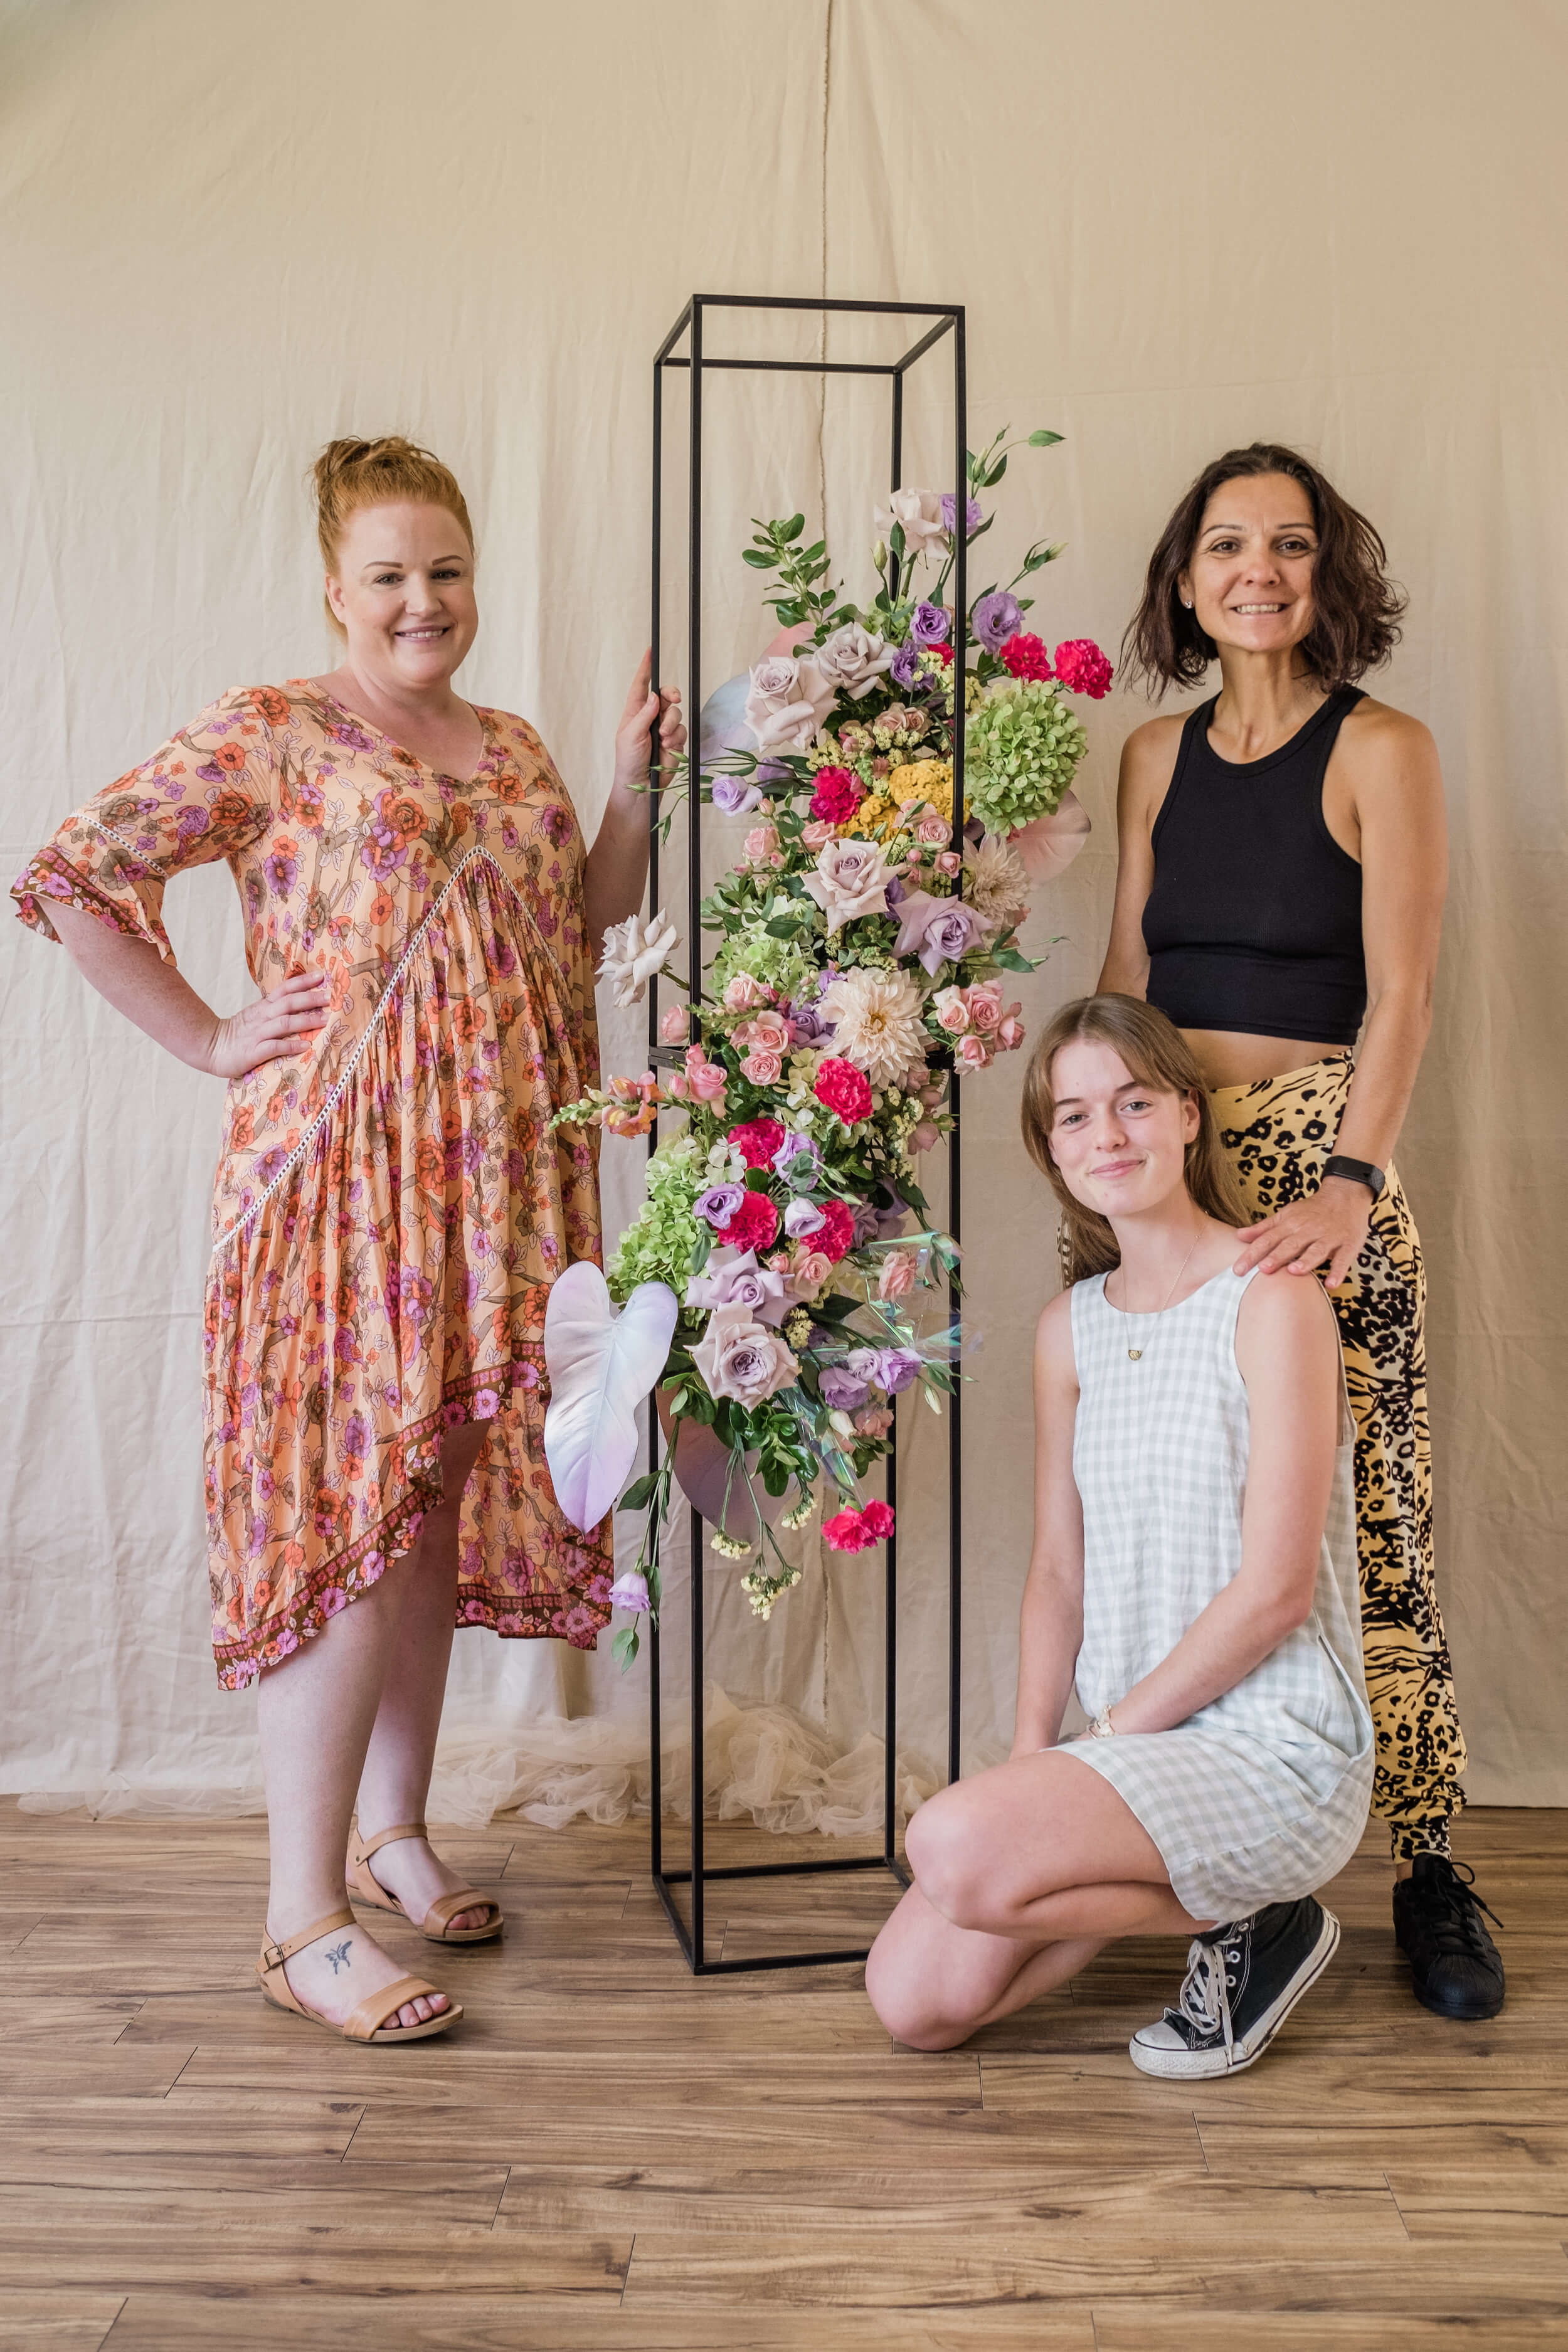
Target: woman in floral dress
[391,1206]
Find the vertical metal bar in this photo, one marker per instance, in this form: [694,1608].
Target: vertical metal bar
[890,1594]
[694,973]
[656,1792]
[954,1217]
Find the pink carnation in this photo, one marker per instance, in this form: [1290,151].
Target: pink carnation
[837,1230]
[757,1142]
[1025,657]
[879,1518]
[838,795]
[755,1222]
[844,1089]
[847,1532]
[1083,668]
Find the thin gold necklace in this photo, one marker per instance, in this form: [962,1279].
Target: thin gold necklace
[1135,1353]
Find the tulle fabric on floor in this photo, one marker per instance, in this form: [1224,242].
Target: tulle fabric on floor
[765,1764]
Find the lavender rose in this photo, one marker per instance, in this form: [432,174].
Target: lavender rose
[807,1027]
[931,625]
[852,659]
[996,618]
[732,1278]
[788,702]
[741,1358]
[735,796]
[841,1390]
[939,930]
[720,1203]
[850,880]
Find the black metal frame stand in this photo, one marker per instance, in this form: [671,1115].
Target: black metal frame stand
[948,320]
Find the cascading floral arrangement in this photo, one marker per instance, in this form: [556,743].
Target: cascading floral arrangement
[866,935]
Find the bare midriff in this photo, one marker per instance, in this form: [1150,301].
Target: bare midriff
[1236,1057]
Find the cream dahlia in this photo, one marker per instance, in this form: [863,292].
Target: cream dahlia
[994,881]
[877,1018]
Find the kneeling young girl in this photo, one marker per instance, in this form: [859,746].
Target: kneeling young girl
[1194,1570]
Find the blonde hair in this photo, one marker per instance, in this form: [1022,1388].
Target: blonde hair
[350,474]
[1157,1054]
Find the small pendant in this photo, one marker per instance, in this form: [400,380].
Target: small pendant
[1135,1353]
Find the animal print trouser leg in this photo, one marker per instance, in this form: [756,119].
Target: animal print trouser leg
[1277,1136]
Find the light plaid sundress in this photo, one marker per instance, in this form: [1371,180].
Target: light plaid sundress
[1263,1794]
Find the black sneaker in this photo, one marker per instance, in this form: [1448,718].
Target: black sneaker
[1456,1966]
[1242,1983]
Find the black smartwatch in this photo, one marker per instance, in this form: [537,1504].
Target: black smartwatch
[1357,1171]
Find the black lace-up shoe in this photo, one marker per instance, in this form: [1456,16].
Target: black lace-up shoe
[1242,1982]
[1456,1966]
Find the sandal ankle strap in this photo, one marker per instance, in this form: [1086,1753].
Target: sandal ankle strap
[367,1846]
[274,1955]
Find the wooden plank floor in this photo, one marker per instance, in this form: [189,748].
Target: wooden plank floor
[608,2152]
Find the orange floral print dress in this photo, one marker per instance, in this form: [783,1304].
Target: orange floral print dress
[389,1207]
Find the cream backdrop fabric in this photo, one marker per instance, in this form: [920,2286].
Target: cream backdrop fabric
[230,232]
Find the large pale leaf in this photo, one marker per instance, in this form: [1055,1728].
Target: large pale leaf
[601,1367]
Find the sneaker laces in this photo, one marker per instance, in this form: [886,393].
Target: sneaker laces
[1204,2001]
[1451,1890]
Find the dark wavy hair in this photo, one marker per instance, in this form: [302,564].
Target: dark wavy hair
[1357,607]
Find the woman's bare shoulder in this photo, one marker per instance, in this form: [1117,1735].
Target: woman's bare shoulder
[1285,1313]
[1376,731]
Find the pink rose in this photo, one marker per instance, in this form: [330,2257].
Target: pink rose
[924,1138]
[947,862]
[873,1421]
[761,1067]
[674,1025]
[705,1078]
[915,1079]
[742,993]
[974,1052]
[986,1005]
[816,834]
[770,1031]
[809,1269]
[760,843]
[950,1009]
[897,1278]
[1010,1030]
[934,828]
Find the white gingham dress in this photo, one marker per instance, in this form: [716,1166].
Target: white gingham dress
[1263,1794]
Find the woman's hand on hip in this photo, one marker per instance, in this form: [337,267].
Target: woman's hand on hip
[643,705]
[1327,1230]
[277,1024]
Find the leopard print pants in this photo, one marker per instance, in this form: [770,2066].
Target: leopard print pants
[1277,1136]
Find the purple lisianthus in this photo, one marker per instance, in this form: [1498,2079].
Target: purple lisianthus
[792,1151]
[719,1204]
[802,1217]
[807,1027]
[629,1590]
[904,665]
[973,514]
[931,625]
[735,796]
[996,618]
[896,1368]
[841,1390]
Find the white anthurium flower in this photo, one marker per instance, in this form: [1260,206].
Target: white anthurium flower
[635,951]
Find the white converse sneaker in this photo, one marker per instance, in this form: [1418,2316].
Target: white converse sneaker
[1242,1982]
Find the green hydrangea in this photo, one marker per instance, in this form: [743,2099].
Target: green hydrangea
[657,1245]
[1022,746]
[777,963]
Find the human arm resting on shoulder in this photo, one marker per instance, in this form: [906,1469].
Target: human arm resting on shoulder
[1148,760]
[1050,1627]
[1288,1347]
[616,870]
[1399,814]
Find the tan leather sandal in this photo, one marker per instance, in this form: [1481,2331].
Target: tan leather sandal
[368,2021]
[363,1886]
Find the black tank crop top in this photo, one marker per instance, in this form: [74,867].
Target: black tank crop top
[1253,921]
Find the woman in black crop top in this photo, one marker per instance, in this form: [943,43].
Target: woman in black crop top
[1280,894]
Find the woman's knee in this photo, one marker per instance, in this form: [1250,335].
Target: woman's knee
[893,1989]
[949,1851]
